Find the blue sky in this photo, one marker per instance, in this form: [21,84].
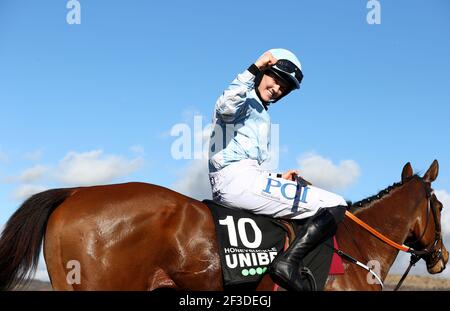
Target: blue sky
[95,102]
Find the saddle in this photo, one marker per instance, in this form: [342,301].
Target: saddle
[248,243]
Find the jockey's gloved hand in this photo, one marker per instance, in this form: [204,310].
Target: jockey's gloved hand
[266,60]
[290,175]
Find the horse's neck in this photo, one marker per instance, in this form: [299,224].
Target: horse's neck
[392,215]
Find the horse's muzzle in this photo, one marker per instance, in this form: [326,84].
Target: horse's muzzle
[437,261]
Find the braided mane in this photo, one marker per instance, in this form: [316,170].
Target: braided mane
[379,195]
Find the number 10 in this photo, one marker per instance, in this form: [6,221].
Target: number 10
[229,222]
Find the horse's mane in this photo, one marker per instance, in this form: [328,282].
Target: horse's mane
[379,195]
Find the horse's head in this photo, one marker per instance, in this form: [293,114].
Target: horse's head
[426,232]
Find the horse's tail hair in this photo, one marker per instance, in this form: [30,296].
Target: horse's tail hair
[21,240]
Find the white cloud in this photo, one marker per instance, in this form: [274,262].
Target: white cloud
[93,167]
[325,174]
[25,191]
[75,169]
[32,174]
[193,181]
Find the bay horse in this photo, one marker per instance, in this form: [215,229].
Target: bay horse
[138,236]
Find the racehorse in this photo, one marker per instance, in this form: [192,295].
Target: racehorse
[138,236]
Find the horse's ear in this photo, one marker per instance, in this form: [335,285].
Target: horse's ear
[432,172]
[407,171]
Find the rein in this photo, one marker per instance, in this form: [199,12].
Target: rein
[376,233]
[416,255]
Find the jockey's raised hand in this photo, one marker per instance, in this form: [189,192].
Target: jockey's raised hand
[290,175]
[265,61]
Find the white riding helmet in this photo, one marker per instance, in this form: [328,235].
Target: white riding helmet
[288,66]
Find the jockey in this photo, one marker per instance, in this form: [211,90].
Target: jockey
[240,143]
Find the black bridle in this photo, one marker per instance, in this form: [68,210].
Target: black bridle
[430,252]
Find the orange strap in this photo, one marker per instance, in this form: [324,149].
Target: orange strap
[376,233]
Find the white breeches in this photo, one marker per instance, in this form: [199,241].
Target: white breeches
[243,185]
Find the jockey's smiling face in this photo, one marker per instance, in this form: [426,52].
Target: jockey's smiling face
[271,87]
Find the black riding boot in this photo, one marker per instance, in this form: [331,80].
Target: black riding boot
[287,269]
